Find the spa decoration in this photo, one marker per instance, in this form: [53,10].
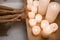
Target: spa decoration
[36,30]
[32,22]
[31,15]
[42,8]
[38,17]
[8,14]
[54,27]
[44,23]
[52,11]
[49,29]
[41,16]
[35,3]
[29,4]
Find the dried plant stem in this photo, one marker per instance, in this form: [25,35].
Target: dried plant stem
[8,16]
[3,21]
[14,19]
[11,12]
[6,8]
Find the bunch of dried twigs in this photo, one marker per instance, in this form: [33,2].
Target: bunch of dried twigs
[8,14]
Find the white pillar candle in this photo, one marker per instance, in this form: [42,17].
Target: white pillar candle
[29,4]
[52,11]
[46,31]
[36,30]
[29,7]
[38,17]
[54,26]
[49,30]
[32,22]
[31,15]
[42,8]
[44,24]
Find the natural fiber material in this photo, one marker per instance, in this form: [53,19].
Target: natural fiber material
[8,14]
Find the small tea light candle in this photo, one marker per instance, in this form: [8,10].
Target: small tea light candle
[36,30]
[44,24]
[36,3]
[31,15]
[38,17]
[32,22]
[34,9]
[54,26]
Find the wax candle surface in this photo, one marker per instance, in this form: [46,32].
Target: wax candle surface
[44,24]
[54,27]
[52,11]
[32,22]
[29,7]
[31,15]
[29,4]
[42,8]
[34,9]
[49,29]
[36,30]
[38,18]
[36,3]
[46,31]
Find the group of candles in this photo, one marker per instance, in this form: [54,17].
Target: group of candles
[39,8]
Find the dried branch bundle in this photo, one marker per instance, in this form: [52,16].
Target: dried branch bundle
[8,14]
